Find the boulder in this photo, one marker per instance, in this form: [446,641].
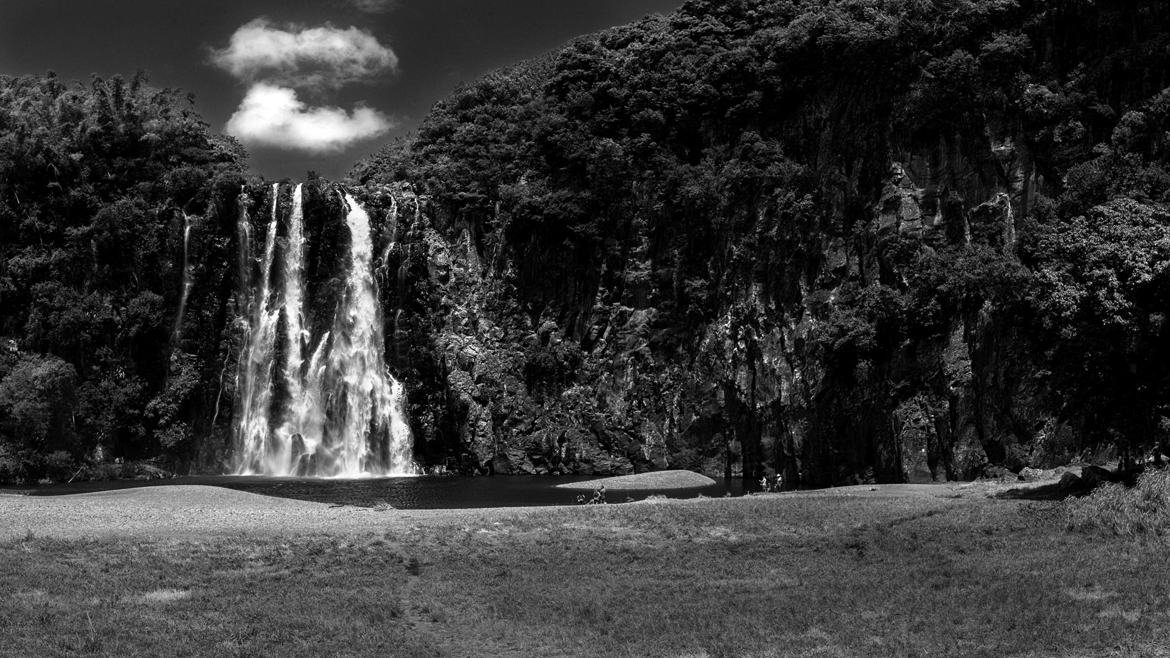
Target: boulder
[1029,474]
[997,473]
[1070,482]
[512,461]
[500,464]
[1092,475]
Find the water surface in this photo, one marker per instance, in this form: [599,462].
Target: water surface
[436,492]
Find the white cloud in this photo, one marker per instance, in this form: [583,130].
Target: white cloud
[273,116]
[318,57]
[374,6]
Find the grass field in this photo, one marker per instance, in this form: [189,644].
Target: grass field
[833,575]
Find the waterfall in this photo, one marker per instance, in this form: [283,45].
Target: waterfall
[297,408]
[244,238]
[294,312]
[342,413]
[370,400]
[257,363]
[187,279]
[1009,224]
[393,220]
[301,433]
[391,242]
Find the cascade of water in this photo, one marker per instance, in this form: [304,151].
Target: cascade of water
[1009,224]
[314,456]
[243,315]
[187,279]
[400,458]
[294,317]
[392,232]
[343,412]
[373,430]
[244,229]
[257,363]
[472,254]
[385,259]
[294,312]
[397,335]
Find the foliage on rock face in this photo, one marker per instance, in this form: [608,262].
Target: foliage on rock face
[704,203]
[1100,255]
[844,240]
[94,182]
[39,401]
[38,404]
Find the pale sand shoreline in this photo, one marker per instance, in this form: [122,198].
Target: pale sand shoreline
[189,511]
[197,511]
[653,480]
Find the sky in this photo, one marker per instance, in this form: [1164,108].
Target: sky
[305,85]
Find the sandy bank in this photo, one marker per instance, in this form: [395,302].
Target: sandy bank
[641,481]
[195,511]
[190,510]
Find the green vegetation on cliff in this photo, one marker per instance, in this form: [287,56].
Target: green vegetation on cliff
[837,241]
[832,241]
[95,182]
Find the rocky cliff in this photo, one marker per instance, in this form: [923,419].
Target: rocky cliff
[833,241]
[766,238]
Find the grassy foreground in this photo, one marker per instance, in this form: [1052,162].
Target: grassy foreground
[765,576]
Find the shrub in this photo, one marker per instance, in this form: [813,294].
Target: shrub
[1143,509]
[27,466]
[38,400]
[598,497]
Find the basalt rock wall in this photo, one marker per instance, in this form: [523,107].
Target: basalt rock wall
[802,248]
[508,391]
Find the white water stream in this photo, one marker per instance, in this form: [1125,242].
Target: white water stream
[341,414]
[187,280]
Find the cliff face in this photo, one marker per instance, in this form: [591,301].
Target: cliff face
[773,238]
[837,241]
[111,301]
[755,388]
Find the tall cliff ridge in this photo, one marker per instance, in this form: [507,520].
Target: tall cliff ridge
[834,241]
[837,241]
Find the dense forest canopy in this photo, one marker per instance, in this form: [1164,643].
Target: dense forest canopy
[832,240]
[94,184]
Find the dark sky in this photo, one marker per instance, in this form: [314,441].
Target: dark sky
[439,44]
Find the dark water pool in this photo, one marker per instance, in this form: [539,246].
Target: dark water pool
[438,492]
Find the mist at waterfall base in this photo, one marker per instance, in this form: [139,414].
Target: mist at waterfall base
[321,406]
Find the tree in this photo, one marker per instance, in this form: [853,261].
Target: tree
[1104,296]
